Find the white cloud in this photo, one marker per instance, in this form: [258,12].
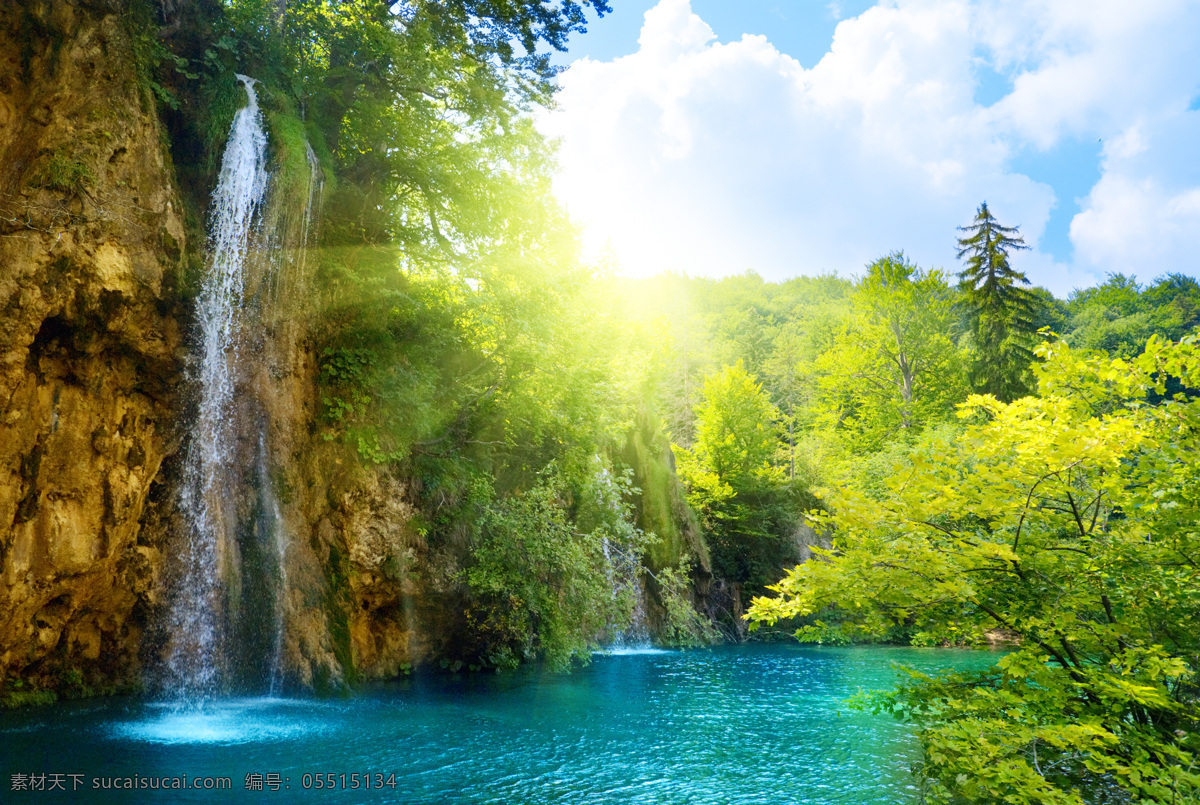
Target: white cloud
[1139,227]
[712,157]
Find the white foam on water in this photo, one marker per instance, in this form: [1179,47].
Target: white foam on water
[632,651]
[224,722]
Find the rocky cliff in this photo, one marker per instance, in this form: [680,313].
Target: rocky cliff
[92,367]
[91,239]
[94,401]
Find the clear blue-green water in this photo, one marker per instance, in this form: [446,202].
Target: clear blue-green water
[750,724]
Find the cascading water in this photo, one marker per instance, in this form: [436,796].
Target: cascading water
[622,548]
[228,591]
[625,576]
[197,627]
[273,520]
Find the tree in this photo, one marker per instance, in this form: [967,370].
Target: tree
[1179,293]
[1122,294]
[894,365]
[542,580]
[1118,315]
[422,108]
[1069,521]
[1000,311]
[732,476]
[737,433]
[783,368]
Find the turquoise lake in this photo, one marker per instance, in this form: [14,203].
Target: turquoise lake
[737,724]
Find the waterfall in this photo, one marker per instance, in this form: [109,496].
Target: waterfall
[227,591]
[273,524]
[197,628]
[625,577]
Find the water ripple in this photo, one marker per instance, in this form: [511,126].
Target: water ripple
[734,726]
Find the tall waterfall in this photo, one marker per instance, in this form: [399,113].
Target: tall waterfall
[228,588]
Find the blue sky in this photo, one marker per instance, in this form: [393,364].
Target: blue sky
[803,137]
[801,28]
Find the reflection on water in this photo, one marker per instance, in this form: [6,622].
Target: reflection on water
[731,725]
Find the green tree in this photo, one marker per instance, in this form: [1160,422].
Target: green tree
[733,478]
[541,580]
[1000,311]
[1122,294]
[1181,295]
[894,365]
[737,431]
[1117,316]
[1069,521]
[784,370]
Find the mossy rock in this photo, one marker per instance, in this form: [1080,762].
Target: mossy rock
[27,698]
[661,507]
[63,172]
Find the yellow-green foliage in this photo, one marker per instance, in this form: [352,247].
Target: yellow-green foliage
[661,509]
[1068,519]
[736,482]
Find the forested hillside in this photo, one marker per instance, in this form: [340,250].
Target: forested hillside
[431,434]
[465,349]
[526,400]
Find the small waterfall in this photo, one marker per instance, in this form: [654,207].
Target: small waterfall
[272,523]
[227,620]
[626,577]
[316,190]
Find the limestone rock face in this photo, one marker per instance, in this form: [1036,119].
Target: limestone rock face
[90,350]
[389,599]
[387,588]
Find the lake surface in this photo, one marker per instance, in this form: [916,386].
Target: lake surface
[749,724]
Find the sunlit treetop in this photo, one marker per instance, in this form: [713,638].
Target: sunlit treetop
[424,107]
[497,26]
[509,34]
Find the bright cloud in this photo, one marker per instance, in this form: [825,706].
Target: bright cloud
[714,158]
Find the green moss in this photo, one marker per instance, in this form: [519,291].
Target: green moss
[337,611]
[27,698]
[289,136]
[19,693]
[219,98]
[660,505]
[655,479]
[282,487]
[287,141]
[62,172]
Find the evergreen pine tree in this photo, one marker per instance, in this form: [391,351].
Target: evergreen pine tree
[1000,308]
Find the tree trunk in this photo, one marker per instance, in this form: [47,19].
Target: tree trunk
[906,390]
